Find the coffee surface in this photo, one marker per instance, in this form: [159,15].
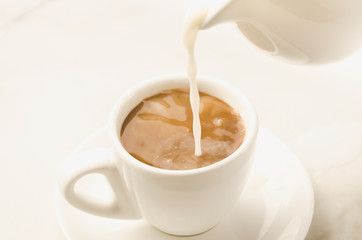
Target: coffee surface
[158,131]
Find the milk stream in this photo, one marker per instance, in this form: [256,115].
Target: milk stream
[191,29]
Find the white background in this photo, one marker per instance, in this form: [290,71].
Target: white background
[63,63]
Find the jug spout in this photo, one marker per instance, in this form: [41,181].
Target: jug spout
[221,11]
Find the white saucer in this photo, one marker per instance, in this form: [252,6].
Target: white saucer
[277,204]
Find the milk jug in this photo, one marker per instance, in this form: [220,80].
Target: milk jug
[296,31]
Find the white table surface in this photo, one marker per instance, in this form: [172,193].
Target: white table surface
[64,63]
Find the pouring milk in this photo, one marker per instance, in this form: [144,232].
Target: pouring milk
[298,32]
[192,27]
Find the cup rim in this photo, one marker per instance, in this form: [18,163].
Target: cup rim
[113,130]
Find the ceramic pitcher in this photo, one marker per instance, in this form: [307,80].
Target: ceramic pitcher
[297,31]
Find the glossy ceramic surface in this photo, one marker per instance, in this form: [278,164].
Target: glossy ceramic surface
[277,202]
[299,31]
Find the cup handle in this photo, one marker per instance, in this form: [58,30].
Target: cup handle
[99,161]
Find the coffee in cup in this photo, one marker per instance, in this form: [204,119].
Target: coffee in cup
[159,130]
[185,202]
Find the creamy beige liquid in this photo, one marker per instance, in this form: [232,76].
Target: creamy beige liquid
[158,131]
[165,132]
[192,27]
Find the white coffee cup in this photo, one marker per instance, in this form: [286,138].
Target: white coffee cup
[178,202]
